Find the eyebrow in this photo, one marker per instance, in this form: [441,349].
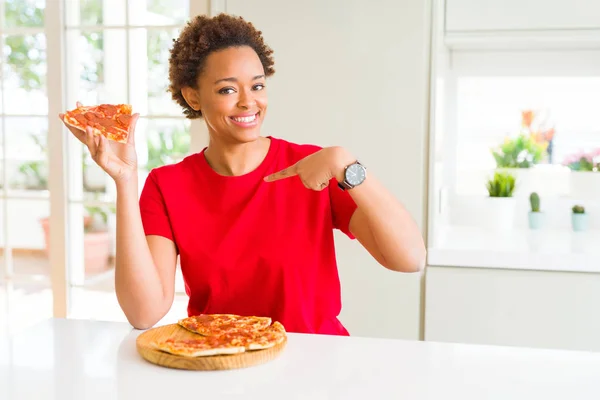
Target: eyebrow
[232,79]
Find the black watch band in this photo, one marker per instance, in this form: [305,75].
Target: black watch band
[344,185]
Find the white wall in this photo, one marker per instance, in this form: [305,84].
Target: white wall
[357,72]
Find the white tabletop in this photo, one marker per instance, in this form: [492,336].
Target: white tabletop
[77,359]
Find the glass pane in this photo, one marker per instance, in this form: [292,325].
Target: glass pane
[566,105]
[149,63]
[2,139]
[26,148]
[91,183]
[166,141]
[537,121]
[92,242]
[4,329]
[96,182]
[99,239]
[158,12]
[25,74]
[29,232]
[99,60]
[2,242]
[24,13]
[95,12]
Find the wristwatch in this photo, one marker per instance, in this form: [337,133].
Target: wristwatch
[354,175]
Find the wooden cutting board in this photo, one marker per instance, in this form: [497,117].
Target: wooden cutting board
[210,363]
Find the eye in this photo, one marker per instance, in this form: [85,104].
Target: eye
[226,90]
[258,86]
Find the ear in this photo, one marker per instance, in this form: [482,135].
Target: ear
[191,97]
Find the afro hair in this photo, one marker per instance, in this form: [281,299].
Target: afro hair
[202,36]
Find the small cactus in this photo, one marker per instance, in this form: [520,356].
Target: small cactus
[534,199]
[577,209]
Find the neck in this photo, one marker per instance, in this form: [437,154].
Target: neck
[235,159]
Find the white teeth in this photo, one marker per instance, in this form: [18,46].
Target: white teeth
[245,119]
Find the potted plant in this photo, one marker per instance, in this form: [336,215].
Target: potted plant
[536,217]
[584,174]
[520,153]
[579,218]
[97,239]
[501,203]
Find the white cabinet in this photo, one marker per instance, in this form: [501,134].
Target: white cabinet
[518,15]
[513,308]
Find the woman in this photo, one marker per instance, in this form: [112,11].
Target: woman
[251,217]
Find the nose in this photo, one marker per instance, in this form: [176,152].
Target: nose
[246,99]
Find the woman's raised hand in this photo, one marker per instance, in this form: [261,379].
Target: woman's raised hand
[119,160]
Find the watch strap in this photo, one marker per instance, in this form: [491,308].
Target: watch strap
[344,185]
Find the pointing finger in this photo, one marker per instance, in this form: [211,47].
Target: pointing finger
[283,174]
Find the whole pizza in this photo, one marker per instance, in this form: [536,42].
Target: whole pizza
[220,334]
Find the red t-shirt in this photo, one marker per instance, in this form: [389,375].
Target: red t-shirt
[252,247]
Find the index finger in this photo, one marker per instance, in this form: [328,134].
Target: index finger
[283,174]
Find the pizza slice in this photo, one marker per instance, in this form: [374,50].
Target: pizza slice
[202,346]
[110,120]
[217,324]
[264,339]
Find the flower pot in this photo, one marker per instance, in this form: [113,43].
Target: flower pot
[96,252]
[579,222]
[499,213]
[536,220]
[96,247]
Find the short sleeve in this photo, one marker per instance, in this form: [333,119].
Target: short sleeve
[342,208]
[153,209]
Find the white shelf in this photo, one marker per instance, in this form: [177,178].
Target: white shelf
[546,250]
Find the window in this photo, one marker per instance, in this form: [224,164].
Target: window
[115,51]
[489,110]
[24,200]
[540,104]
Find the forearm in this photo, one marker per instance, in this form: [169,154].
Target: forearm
[139,288]
[395,232]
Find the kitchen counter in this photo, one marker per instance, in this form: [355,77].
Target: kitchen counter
[81,359]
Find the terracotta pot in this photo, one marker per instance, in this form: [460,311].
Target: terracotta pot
[96,252]
[96,247]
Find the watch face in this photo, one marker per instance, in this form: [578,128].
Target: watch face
[355,174]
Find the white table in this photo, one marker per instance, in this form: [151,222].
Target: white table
[77,359]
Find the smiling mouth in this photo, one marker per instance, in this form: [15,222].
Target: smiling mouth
[245,120]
